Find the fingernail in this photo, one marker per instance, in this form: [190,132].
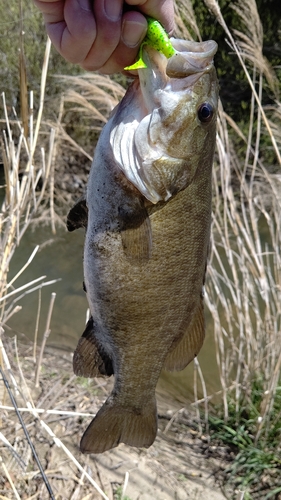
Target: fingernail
[133,33]
[112,9]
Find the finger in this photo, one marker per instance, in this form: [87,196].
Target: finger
[71,26]
[162,10]
[52,10]
[133,31]
[108,16]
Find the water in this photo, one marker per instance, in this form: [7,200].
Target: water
[60,257]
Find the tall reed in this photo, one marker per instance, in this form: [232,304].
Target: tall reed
[26,189]
[243,288]
[244,285]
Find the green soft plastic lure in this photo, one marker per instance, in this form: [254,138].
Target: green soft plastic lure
[157,38]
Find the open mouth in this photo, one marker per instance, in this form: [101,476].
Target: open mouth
[190,58]
[190,61]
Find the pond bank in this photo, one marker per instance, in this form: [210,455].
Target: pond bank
[180,465]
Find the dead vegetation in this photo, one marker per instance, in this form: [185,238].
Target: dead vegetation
[54,414]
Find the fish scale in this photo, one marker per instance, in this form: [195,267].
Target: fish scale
[147,242]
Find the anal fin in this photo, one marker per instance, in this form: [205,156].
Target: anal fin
[89,359]
[190,344]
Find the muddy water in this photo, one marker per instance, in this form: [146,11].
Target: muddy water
[60,257]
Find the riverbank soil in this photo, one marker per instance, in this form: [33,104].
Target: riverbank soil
[180,465]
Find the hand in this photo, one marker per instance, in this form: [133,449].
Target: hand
[102,35]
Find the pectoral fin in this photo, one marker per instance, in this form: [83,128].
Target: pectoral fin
[89,359]
[190,344]
[78,215]
[136,234]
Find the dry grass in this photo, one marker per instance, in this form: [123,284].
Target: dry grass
[54,416]
[32,470]
[92,97]
[244,285]
[253,54]
[26,186]
[243,291]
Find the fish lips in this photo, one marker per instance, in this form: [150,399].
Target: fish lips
[190,60]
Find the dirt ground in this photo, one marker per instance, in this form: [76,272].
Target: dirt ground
[180,465]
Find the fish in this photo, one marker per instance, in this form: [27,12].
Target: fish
[147,215]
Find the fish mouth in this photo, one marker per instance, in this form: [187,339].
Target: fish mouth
[190,60]
[190,57]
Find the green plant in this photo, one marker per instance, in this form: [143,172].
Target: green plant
[119,494]
[257,463]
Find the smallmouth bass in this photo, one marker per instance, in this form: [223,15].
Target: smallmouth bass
[147,216]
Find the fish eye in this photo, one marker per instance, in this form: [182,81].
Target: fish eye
[205,112]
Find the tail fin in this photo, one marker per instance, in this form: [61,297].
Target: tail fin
[115,424]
